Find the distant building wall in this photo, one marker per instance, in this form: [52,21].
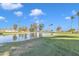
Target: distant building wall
[46,34]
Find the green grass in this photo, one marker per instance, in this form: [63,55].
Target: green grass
[50,47]
[47,46]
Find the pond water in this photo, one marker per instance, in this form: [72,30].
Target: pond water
[14,38]
[19,37]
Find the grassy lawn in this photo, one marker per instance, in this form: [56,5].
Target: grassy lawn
[46,46]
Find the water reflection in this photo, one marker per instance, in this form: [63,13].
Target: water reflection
[23,36]
[15,38]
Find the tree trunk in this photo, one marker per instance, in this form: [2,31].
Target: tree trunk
[72,25]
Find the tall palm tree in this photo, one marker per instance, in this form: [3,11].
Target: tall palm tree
[37,25]
[72,18]
[31,28]
[50,26]
[41,26]
[15,26]
[78,19]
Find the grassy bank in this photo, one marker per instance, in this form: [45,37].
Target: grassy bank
[47,46]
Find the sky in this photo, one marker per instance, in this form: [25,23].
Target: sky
[25,14]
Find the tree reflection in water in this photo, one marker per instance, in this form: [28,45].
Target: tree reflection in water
[22,36]
[14,38]
[25,36]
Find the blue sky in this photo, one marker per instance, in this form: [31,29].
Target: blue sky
[48,14]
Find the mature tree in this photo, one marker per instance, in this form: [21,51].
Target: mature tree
[15,26]
[71,30]
[33,27]
[59,29]
[25,29]
[41,26]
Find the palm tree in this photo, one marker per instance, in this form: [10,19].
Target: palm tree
[41,26]
[72,17]
[50,26]
[78,19]
[33,28]
[15,26]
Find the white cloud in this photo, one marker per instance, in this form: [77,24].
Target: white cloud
[2,19]
[67,17]
[74,12]
[5,21]
[18,13]
[11,6]
[36,12]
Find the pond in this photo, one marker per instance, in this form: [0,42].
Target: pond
[19,37]
[14,38]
